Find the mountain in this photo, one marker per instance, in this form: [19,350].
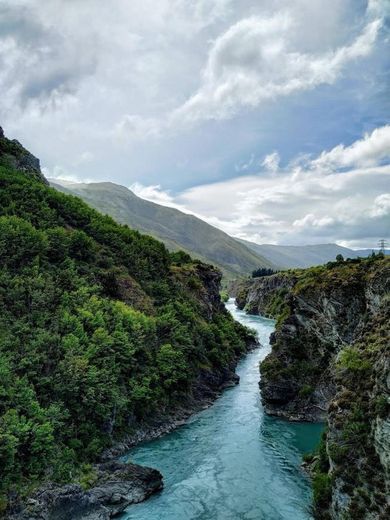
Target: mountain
[102,332]
[285,257]
[178,230]
[330,363]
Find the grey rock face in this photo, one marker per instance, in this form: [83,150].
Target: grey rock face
[118,485]
[15,156]
[257,295]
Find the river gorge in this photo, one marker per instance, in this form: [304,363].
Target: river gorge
[231,461]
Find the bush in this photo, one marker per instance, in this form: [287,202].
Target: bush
[322,489]
[306,391]
[353,360]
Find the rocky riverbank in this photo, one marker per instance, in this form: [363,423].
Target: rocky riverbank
[330,362]
[116,486]
[205,390]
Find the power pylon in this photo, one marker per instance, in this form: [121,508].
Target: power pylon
[382,245]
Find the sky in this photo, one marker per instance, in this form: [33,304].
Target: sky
[269,119]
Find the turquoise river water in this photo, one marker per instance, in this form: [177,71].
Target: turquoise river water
[231,461]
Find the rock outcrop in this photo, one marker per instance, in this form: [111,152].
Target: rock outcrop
[263,295]
[15,156]
[117,486]
[330,362]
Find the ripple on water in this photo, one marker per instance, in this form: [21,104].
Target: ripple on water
[231,461]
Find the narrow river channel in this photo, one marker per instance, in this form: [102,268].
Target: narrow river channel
[231,461]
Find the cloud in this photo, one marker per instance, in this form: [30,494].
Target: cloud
[304,203]
[271,162]
[134,127]
[64,177]
[156,194]
[367,151]
[40,64]
[125,81]
[381,207]
[253,61]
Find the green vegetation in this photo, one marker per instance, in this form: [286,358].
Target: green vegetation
[277,305]
[306,390]
[100,327]
[224,296]
[352,360]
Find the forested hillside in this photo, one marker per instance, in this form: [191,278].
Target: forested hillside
[100,326]
[178,230]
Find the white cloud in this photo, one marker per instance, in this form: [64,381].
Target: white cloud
[304,204]
[94,90]
[381,206]
[367,151]
[63,176]
[156,194]
[134,127]
[271,162]
[253,61]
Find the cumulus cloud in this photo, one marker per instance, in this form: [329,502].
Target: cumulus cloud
[253,61]
[39,64]
[155,193]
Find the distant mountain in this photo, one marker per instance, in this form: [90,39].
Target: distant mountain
[366,252]
[302,256]
[176,229]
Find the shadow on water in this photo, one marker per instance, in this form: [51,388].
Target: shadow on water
[231,461]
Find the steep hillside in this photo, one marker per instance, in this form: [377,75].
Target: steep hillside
[176,229]
[101,330]
[330,361]
[285,257]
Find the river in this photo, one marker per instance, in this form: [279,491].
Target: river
[231,461]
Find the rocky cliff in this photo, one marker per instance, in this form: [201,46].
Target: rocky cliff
[16,157]
[330,362]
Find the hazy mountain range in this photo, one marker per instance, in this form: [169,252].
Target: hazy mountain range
[303,256]
[180,230]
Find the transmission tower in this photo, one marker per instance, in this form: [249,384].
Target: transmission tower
[382,245]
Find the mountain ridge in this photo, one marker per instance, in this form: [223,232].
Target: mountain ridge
[183,231]
[178,230]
